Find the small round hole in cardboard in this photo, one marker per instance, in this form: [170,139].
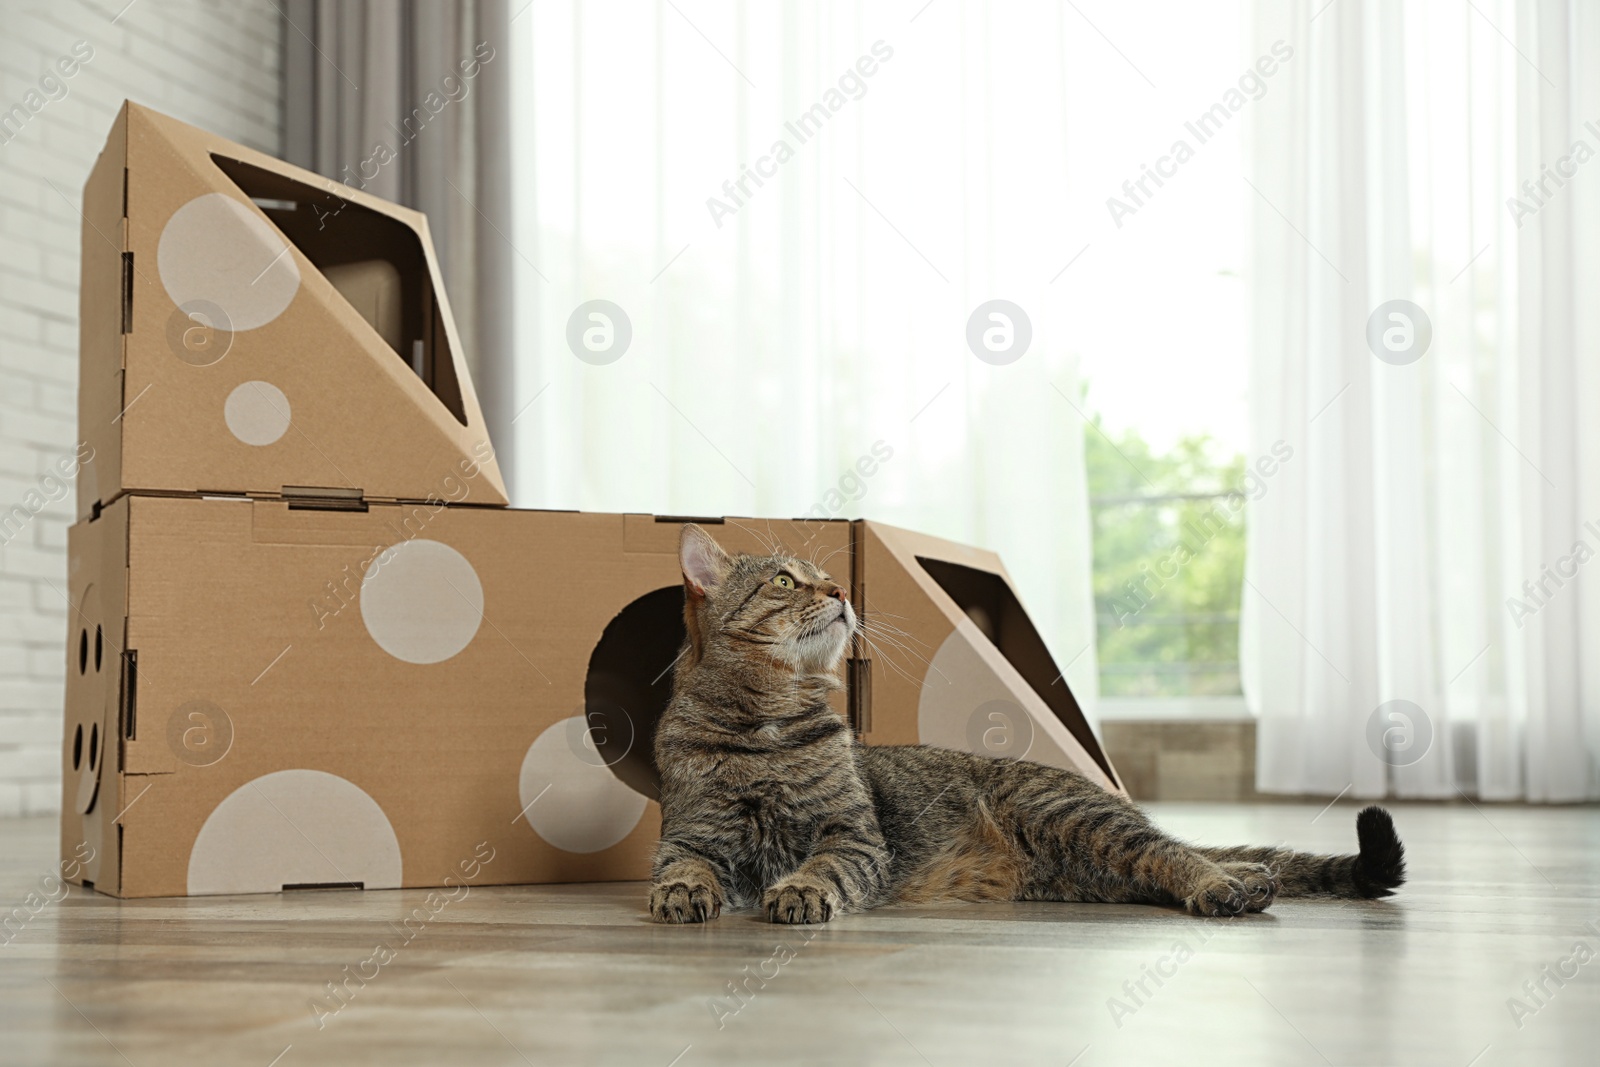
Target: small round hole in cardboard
[94,746]
[77,747]
[83,651]
[99,647]
[630,682]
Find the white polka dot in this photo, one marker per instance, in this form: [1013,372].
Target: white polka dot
[215,249]
[257,413]
[422,601]
[575,804]
[957,683]
[298,827]
[960,693]
[957,696]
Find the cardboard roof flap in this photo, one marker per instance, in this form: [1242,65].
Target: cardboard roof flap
[224,291]
[983,656]
[989,601]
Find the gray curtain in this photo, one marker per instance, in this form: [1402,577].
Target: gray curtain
[411,101]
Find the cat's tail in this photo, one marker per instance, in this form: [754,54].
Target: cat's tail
[1377,868]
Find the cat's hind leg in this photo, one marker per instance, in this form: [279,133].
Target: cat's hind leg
[1088,844]
[1374,871]
[1199,885]
[1261,883]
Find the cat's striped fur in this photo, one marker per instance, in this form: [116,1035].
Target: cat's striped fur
[767,800]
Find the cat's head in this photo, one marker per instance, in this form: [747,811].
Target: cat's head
[772,609]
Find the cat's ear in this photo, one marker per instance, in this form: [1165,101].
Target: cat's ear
[703,561]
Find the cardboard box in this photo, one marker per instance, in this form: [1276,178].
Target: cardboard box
[308,685]
[251,328]
[306,697]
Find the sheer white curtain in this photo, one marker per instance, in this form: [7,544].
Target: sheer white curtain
[408,102]
[808,323]
[1435,545]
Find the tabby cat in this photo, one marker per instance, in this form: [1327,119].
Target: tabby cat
[767,799]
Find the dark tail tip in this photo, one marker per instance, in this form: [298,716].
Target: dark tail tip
[1381,865]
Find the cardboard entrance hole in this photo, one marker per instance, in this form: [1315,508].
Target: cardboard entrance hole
[629,684]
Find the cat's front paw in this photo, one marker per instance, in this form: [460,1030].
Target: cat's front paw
[800,902]
[684,902]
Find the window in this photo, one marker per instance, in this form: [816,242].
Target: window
[1163,351]
[1168,565]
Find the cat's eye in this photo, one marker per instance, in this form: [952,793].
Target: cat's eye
[783,581]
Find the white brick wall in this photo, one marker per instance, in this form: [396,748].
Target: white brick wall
[213,63]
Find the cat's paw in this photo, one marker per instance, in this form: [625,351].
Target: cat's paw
[1261,885]
[684,902]
[800,902]
[1223,895]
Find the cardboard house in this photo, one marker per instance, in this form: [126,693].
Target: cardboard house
[311,647]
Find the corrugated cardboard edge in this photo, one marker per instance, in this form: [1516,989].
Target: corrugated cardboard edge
[100,336]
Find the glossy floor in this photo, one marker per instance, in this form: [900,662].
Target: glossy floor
[574,974]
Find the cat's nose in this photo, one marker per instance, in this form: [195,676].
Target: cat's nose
[838,593]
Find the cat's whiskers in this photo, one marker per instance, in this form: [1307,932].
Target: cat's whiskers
[875,634]
[768,544]
[880,641]
[889,661]
[894,637]
[900,639]
[879,614]
[842,548]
